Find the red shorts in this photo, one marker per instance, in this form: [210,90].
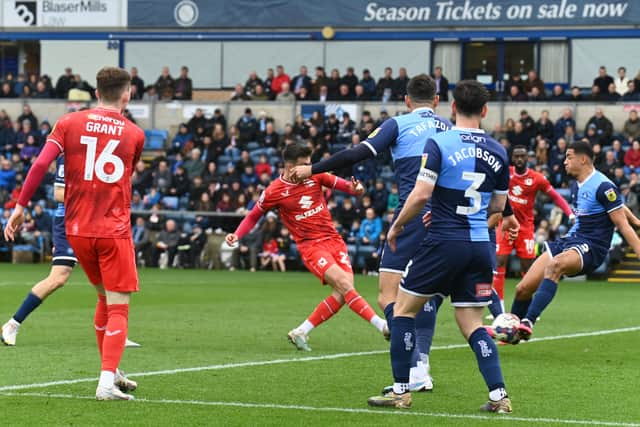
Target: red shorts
[319,256]
[524,244]
[107,262]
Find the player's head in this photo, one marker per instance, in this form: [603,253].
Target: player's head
[114,86]
[296,154]
[421,91]
[579,158]
[470,99]
[519,157]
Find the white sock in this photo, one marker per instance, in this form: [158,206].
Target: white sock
[13,322]
[417,373]
[424,358]
[399,388]
[106,379]
[306,326]
[378,322]
[497,394]
[502,306]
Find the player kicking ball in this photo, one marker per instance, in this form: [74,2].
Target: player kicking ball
[466,178]
[62,264]
[304,212]
[599,209]
[100,147]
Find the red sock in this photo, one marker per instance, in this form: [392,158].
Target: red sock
[100,320]
[323,312]
[359,305]
[498,281]
[115,336]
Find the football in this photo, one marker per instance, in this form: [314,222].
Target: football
[505,327]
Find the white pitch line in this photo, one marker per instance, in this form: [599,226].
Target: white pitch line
[507,418]
[297,360]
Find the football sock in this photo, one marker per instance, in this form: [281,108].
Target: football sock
[488,360]
[114,336]
[100,320]
[323,312]
[519,308]
[498,281]
[495,307]
[541,299]
[30,303]
[403,340]
[362,308]
[388,312]
[107,379]
[426,327]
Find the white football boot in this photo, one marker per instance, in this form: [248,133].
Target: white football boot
[131,344]
[111,393]
[9,332]
[123,383]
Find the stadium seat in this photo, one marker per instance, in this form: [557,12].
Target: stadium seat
[170,202]
[154,139]
[253,146]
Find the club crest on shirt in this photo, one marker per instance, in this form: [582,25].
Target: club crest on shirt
[528,181]
[374,133]
[423,163]
[611,195]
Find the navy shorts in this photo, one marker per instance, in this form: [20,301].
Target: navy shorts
[407,244]
[463,270]
[62,251]
[592,256]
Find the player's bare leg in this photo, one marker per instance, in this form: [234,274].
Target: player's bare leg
[56,279]
[568,262]
[299,336]
[111,324]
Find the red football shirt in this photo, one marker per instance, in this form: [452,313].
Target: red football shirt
[101,148]
[522,194]
[302,207]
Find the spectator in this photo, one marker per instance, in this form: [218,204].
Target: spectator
[612,95]
[529,126]
[205,204]
[247,128]
[333,85]
[27,114]
[631,94]
[248,177]
[81,84]
[19,85]
[319,81]
[300,81]
[285,94]
[323,96]
[603,80]
[351,80]
[344,94]
[370,228]
[541,151]
[394,198]
[400,84]
[303,95]
[263,166]
[268,82]
[631,130]
[280,78]
[137,204]
[162,177]
[181,139]
[64,84]
[556,162]
[564,121]
[608,164]
[442,84]
[197,121]
[515,95]
[619,178]
[183,85]
[604,127]
[360,94]
[520,137]
[384,88]
[239,94]
[150,94]
[269,138]
[379,197]
[7,91]
[346,129]
[632,159]
[166,246]
[597,95]
[536,95]
[245,160]
[515,79]
[576,95]
[260,94]
[30,149]
[252,82]
[141,240]
[225,204]
[368,84]
[165,85]
[218,118]
[142,178]
[194,166]
[558,94]
[533,81]
[42,92]
[25,92]
[544,126]
[616,147]
[621,82]
[138,83]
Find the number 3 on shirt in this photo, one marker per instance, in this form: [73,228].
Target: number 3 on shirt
[92,165]
[472,193]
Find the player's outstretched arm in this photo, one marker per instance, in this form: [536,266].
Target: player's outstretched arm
[560,202]
[353,187]
[245,226]
[633,220]
[340,160]
[619,218]
[419,197]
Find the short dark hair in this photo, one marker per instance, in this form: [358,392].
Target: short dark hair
[421,89]
[112,82]
[470,97]
[582,147]
[293,152]
[519,147]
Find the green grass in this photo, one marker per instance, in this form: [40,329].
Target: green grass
[189,319]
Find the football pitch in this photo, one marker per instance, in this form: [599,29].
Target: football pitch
[214,352]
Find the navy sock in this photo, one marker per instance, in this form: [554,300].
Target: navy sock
[495,307]
[426,325]
[388,313]
[403,339]
[520,308]
[488,360]
[541,299]
[30,303]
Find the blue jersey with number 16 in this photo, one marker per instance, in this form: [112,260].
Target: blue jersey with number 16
[467,167]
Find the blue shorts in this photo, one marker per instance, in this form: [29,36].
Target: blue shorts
[407,244]
[461,269]
[592,256]
[62,251]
